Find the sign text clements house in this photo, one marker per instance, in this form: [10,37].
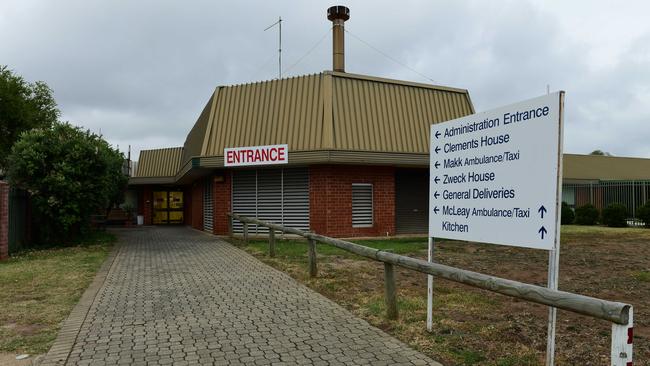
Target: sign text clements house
[256,155]
[495,175]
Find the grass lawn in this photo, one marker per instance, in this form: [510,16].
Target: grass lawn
[477,327]
[40,288]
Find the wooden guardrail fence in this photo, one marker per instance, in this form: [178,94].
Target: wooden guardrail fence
[620,314]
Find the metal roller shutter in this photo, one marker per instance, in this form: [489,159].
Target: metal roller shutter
[208,205]
[277,195]
[411,201]
[269,197]
[295,198]
[244,197]
[361,205]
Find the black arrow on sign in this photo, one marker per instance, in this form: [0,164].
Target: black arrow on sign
[437,134]
[435,210]
[542,211]
[542,231]
[437,149]
[437,164]
[436,180]
[436,195]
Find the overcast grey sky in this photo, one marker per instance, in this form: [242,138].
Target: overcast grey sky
[141,71]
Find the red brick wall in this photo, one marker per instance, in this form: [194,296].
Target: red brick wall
[4,220]
[147,204]
[187,205]
[222,205]
[196,199]
[330,196]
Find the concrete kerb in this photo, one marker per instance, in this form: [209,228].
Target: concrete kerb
[65,340]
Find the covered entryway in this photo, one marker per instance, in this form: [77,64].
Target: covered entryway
[411,201]
[167,207]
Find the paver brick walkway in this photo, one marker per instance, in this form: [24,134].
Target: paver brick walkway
[178,296]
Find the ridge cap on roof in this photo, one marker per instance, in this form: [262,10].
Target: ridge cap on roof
[348,75]
[608,156]
[163,148]
[394,81]
[267,80]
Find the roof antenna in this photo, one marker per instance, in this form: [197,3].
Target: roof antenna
[279,23]
[548,89]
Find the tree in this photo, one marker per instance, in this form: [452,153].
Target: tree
[70,174]
[23,106]
[600,153]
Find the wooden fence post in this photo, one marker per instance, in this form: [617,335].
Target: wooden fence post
[246,232]
[390,291]
[313,267]
[271,243]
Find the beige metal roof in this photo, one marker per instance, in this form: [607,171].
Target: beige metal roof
[597,167]
[324,118]
[196,137]
[371,114]
[332,111]
[159,162]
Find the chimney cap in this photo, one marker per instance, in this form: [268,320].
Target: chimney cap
[338,12]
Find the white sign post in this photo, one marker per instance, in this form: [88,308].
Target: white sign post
[496,177]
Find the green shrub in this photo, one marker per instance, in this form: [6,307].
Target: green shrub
[643,214]
[586,215]
[70,173]
[567,214]
[615,215]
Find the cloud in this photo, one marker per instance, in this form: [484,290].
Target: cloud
[141,71]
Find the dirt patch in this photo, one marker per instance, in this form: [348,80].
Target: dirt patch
[477,327]
[9,359]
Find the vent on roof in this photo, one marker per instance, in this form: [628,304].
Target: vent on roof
[338,15]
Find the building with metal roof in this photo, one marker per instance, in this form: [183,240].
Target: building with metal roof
[357,155]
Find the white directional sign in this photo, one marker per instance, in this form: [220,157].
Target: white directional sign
[495,175]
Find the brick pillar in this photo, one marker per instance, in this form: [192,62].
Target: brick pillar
[187,205]
[4,220]
[222,204]
[147,196]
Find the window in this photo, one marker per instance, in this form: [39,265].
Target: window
[361,205]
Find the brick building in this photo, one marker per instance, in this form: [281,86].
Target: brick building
[357,165]
[356,159]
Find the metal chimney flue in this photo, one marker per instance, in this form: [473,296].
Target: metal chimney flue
[338,15]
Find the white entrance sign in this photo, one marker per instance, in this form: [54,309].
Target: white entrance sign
[256,155]
[495,175]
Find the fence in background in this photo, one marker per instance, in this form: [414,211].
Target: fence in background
[630,193]
[18,219]
[619,314]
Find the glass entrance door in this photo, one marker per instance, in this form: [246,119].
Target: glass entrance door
[175,207]
[167,207]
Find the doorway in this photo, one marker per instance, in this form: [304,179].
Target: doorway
[411,201]
[167,207]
